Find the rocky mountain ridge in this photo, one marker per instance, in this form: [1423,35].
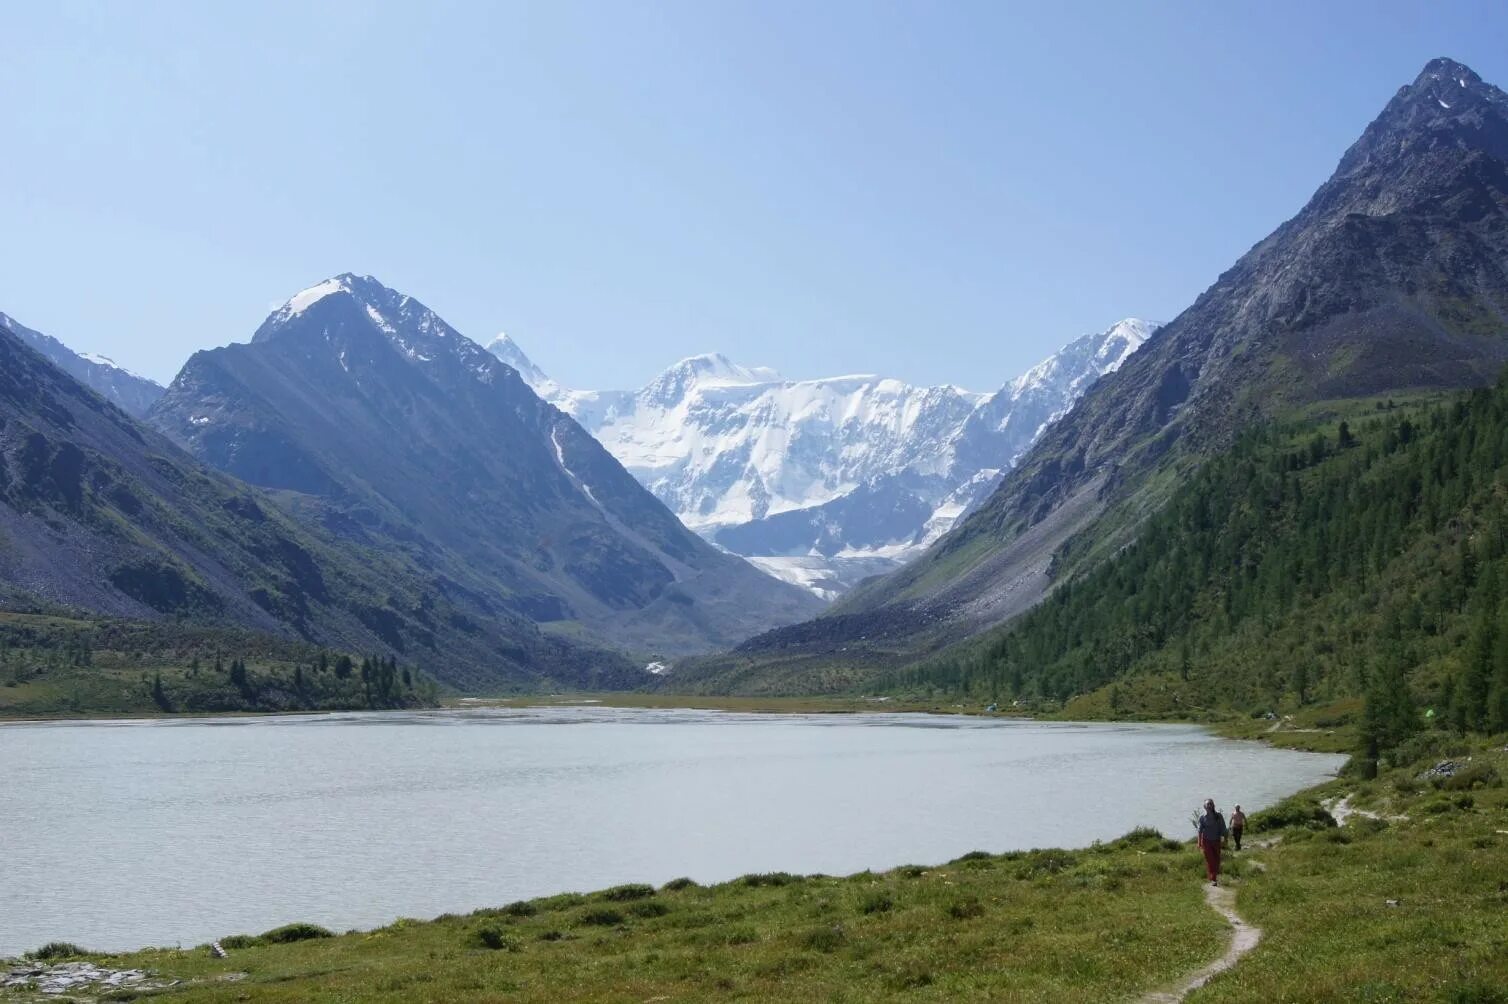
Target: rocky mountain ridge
[1392,278]
[102,515]
[131,393]
[373,417]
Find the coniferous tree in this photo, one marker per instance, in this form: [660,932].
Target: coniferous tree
[159,695]
[238,677]
[1389,716]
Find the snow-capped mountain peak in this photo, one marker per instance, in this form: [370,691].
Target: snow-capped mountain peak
[346,299]
[710,370]
[825,481]
[1123,338]
[387,308]
[1088,358]
[715,368]
[508,351]
[305,298]
[365,289]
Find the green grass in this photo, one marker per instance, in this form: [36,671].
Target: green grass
[1331,727]
[1041,925]
[1331,934]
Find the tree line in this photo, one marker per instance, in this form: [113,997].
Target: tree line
[1365,557]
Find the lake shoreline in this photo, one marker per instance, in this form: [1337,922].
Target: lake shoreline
[1312,791]
[1282,732]
[711,794]
[1059,916]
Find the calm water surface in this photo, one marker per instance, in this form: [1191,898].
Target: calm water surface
[122,834]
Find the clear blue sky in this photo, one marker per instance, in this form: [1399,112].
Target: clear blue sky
[934,191]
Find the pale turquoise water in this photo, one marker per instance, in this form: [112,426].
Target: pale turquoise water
[122,834]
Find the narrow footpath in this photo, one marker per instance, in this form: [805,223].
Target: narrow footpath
[1244,937]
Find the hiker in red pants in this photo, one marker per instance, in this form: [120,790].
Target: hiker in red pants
[1212,834]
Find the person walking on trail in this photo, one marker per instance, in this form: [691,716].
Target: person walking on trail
[1212,833]
[1237,824]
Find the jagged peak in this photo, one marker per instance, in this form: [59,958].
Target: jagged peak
[509,352]
[365,289]
[1443,68]
[1448,106]
[422,335]
[1107,350]
[1448,89]
[386,308]
[301,301]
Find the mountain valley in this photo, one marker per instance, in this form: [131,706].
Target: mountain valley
[1390,281]
[826,482]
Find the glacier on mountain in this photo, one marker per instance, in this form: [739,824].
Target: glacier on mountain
[825,482]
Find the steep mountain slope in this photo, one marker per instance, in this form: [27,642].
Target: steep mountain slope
[100,513]
[376,418]
[1315,562]
[131,393]
[1393,276]
[825,481]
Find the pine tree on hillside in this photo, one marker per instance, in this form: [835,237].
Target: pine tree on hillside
[1390,715]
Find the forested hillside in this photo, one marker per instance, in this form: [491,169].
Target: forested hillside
[59,664]
[1360,554]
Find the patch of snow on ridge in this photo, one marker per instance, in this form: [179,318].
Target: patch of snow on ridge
[382,322]
[304,299]
[106,361]
[561,460]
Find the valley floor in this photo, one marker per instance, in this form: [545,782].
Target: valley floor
[1403,902]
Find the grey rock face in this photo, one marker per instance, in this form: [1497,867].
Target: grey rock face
[396,431]
[102,513]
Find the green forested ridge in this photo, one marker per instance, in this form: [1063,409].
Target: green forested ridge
[63,665]
[1365,553]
